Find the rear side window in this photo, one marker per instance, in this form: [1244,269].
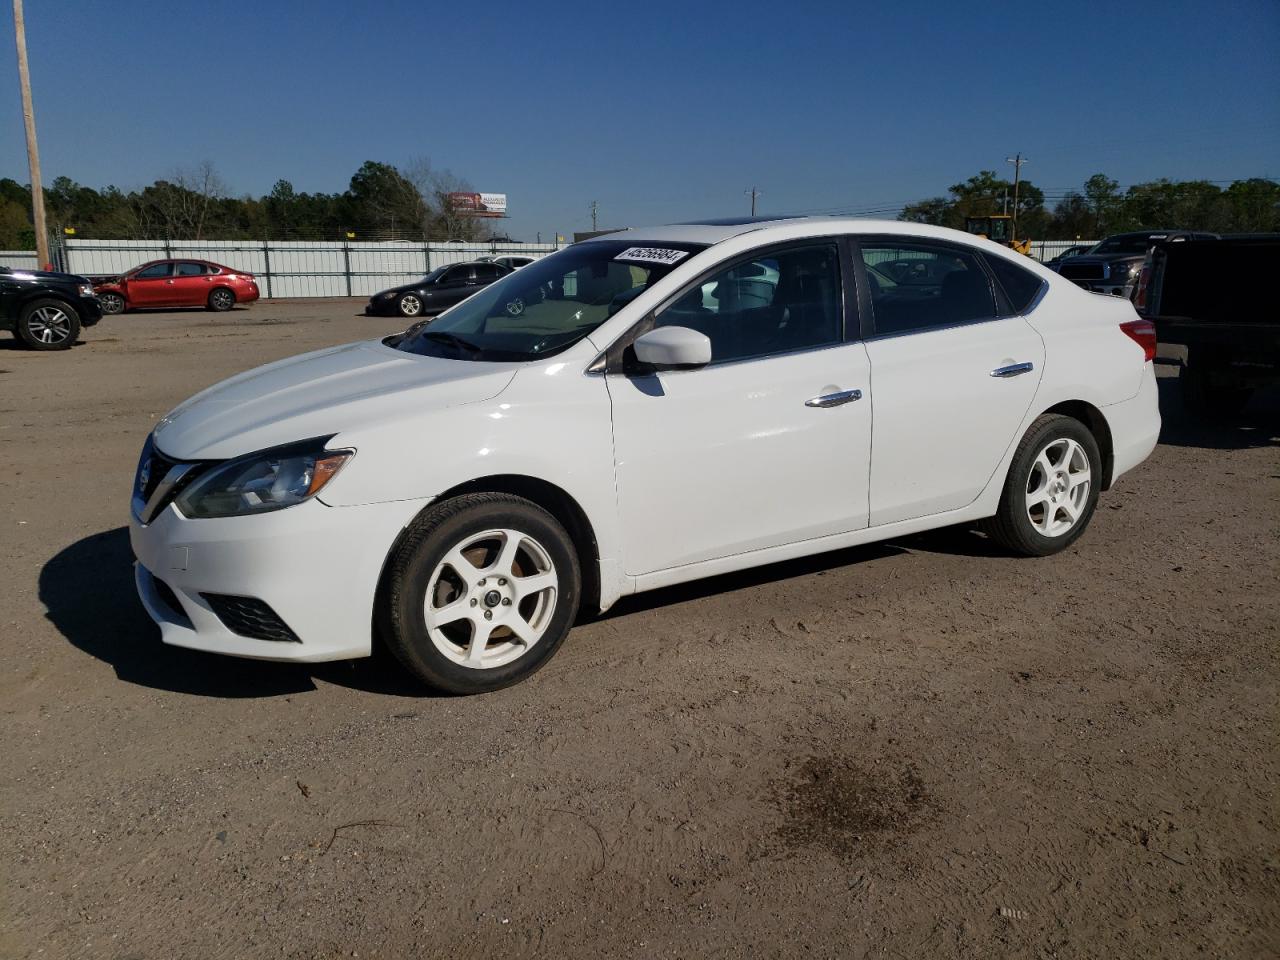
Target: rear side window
[489,271]
[1020,286]
[926,285]
[191,269]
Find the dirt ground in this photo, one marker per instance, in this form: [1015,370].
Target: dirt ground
[922,749]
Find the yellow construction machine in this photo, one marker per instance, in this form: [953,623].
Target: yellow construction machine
[997,227]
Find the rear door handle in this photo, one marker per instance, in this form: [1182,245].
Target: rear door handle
[1013,370]
[834,399]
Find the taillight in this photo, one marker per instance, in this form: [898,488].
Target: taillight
[1143,333]
[1140,298]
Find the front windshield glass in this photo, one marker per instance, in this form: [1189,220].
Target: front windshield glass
[1127,243]
[547,306]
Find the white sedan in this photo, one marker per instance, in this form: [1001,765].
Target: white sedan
[595,424]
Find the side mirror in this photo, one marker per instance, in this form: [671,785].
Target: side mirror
[673,348]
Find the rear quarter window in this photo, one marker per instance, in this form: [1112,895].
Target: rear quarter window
[1020,286]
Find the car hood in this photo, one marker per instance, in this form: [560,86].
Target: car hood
[44,276]
[403,288]
[317,394]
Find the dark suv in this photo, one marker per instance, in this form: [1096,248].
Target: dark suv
[46,310]
[1112,267]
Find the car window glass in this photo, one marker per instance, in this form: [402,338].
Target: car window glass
[488,272]
[155,270]
[788,300]
[190,269]
[456,275]
[1020,286]
[546,307]
[927,286]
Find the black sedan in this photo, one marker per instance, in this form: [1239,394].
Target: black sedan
[437,291]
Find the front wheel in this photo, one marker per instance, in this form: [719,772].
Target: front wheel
[221,300]
[481,593]
[410,305]
[111,303]
[1052,488]
[48,325]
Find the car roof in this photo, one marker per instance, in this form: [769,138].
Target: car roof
[716,231]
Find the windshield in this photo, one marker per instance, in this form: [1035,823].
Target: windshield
[1128,243]
[547,306]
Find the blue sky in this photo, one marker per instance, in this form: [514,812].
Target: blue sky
[658,110]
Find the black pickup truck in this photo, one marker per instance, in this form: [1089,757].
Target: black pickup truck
[1213,298]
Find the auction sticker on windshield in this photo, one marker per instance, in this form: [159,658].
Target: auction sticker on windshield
[652,255]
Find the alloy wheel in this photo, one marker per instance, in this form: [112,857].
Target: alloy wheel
[223,300]
[49,325]
[491,598]
[112,303]
[410,305]
[1058,487]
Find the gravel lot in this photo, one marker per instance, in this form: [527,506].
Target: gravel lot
[917,749]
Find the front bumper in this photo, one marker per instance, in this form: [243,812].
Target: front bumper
[90,310]
[382,308]
[316,566]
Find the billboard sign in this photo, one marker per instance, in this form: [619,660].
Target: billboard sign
[479,204]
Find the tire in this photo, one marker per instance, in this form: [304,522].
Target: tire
[1043,509]
[111,303]
[410,305]
[221,300]
[456,560]
[48,325]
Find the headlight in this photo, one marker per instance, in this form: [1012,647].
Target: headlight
[387,296]
[263,481]
[1125,271]
[86,290]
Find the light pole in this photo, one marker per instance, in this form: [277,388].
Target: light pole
[752,193]
[33,154]
[1017,160]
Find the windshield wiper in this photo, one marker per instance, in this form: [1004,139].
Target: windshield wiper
[448,338]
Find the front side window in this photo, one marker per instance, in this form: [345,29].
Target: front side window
[776,303]
[549,305]
[155,271]
[191,269]
[456,275]
[921,286]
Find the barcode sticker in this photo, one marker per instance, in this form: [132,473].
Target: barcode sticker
[652,255]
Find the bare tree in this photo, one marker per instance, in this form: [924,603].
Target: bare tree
[456,224]
[181,204]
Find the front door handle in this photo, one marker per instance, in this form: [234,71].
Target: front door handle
[1013,370]
[834,399]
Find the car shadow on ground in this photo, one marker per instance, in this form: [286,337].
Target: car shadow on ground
[89,595]
[1257,425]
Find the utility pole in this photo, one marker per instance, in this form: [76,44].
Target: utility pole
[752,193]
[33,155]
[1017,160]
[594,210]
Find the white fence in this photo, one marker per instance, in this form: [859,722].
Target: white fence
[297,268]
[19,259]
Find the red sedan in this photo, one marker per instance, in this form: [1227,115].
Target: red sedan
[176,283]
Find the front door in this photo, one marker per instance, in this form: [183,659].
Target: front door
[152,286]
[767,445]
[954,376]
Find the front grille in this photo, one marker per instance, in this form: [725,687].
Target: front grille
[160,465]
[1081,271]
[250,617]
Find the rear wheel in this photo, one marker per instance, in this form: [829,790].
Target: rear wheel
[221,300]
[111,303]
[48,325]
[1052,488]
[481,593]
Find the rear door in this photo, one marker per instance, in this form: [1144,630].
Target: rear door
[191,284]
[152,286]
[953,373]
